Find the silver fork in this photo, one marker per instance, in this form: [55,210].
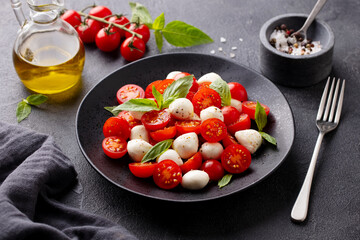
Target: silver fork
[325,122]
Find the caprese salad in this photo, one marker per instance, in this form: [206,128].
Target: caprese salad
[184,131]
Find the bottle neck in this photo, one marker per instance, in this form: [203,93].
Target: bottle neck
[44,11]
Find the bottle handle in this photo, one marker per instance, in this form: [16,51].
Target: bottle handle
[16,6]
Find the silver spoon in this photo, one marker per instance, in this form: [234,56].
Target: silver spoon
[310,19]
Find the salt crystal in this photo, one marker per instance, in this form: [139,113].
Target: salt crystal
[233,48]
[232,55]
[222,39]
[220,49]
[212,51]
[240,39]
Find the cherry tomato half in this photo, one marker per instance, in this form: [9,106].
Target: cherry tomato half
[204,85]
[187,126]
[231,114]
[249,108]
[194,86]
[72,17]
[192,163]
[237,91]
[87,31]
[213,168]
[213,130]
[142,170]
[205,98]
[115,126]
[107,40]
[129,91]
[141,29]
[229,140]
[148,90]
[114,147]
[242,123]
[235,158]
[167,174]
[129,118]
[121,20]
[155,120]
[132,49]
[163,134]
[163,85]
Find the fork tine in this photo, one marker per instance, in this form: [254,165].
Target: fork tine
[323,100]
[340,103]
[328,103]
[333,104]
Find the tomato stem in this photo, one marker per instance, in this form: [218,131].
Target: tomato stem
[107,22]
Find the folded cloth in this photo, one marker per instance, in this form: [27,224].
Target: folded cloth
[34,173]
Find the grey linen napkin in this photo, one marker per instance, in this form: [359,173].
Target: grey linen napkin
[34,173]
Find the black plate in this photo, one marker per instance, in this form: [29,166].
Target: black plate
[91,117]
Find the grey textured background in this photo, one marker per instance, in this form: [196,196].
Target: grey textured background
[262,212]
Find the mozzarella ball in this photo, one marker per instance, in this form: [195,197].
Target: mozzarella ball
[172,74]
[137,115]
[211,112]
[137,148]
[250,139]
[139,132]
[195,180]
[170,154]
[209,77]
[211,150]
[181,108]
[236,104]
[186,145]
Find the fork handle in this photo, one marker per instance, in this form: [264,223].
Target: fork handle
[300,208]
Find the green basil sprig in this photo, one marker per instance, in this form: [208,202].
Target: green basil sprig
[24,107]
[261,121]
[177,33]
[157,150]
[225,180]
[221,87]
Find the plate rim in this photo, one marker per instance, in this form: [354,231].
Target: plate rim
[184,200]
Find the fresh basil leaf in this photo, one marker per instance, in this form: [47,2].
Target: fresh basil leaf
[178,89]
[158,96]
[159,22]
[36,99]
[223,89]
[260,116]
[22,111]
[111,109]
[224,180]
[138,104]
[140,13]
[268,138]
[159,40]
[181,34]
[157,150]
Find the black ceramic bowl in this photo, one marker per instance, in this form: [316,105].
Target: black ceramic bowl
[296,71]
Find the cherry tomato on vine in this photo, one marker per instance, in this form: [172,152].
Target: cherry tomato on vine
[155,120]
[205,98]
[142,170]
[132,49]
[237,91]
[100,11]
[114,147]
[87,31]
[213,168]
[129,91]
[213,130]
[235,158]
[115,126]
[121,20]
[72,17]
[141,29]
[107,40]
[167,174]
[249,107]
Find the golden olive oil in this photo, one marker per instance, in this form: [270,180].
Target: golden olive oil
[49,62]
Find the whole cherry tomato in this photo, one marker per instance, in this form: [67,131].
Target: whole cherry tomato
[115,126]
[132,49]
[231,114]
[87,31]
[107,40]
[121,20]
[213,168]
[141,29]
[237,91]
[100,11]
[194,86]
[72,17]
